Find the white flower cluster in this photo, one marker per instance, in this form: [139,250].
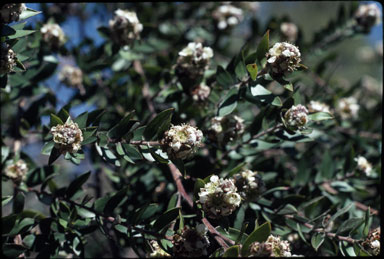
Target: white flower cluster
[368,15]
[157,251]
[363,165]
[53,35]
[283,58]
[272,247]
[125,27]
[17,171]
[225,129]
[348,107]
[71,76]
[196,53]
[200,93]
[191,242]
[372,243]
[182,141]
[296,117]
[249,185]
[7,59]
[11,12]
[315,106]
[67,137]
[289,31]
[219,197]
[227,16]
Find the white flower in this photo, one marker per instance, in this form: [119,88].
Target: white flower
[296,117]
[289,30]
[11,12]
[53,35]
[225,129]
[227,16]
[363,165]
[7,59]
[67,137]
[16,171]
[191,242]
[196,51]
[368,15]
[348,108]
[125,27]
[71,76]
[283,58]
[200,93]
[315,106]
[249,184]
[272,247]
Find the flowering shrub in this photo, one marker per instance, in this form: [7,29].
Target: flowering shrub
[190,129]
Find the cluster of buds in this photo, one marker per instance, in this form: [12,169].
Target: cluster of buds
[372,243]
[11,12]
[227,16]
[200,92]
[192,62]
[315,106]
[181,141]
[363,165]
[125,27]
[249,185]
[53,35]
[16,171]
[283,58]
[348,107]
[272,247]
[7,59]
[157,251]
[219,197]
[72,76]
[289,31]
[191,242]
[296,118]
[67,137]
[368,15]
[225,129]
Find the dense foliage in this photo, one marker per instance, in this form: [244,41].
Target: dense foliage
[202,131]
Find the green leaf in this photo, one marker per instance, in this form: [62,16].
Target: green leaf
[232,251]
[196,189]
[63,113]
[288,209]
[12,250]
[156,127]
[340,212]
[260,234]
[115,200]
[81,120]
[264,95]
[18,203]
[166,219]
[349,225]
[145,212]
[55,154]
[252,69]
[288,86]
[55,120]
[233,234]
[320,116]
[28,13]
[75,185]
[7,30]
[20,33]
[240,70]
[317,240]
[5,200]
[224,78]
[229,104]
[122,128]
[263,47]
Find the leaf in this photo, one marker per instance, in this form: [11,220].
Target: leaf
[28,13]
[263,47]
[233,234]
[339,213]
[55,120]
[349,225]
[166,219]
[288,209]
[18,203]
[240,70]
[5,200]
[196,189]
[63,113]
[224,78]
[320,116]
[260,234]
[252,69]
[264,95]
[7,30]
[317,240]
[81,120]
[12,250]
[232,251]
[121,128]
[229,104]
[156,127]
[75,185]
[115,200]
[20,33]
[145,212]
[55,153]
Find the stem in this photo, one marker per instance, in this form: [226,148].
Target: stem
[143,142]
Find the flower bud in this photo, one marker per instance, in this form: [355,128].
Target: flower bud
[191,64]
[372,242]
[348,108]
[200,93]
[17,171]
[283,58]
[368,15]
[315,106]
[289,31]
[53,35]
[272,247]
[67,137]
[181,141]
[125,27]
[225,129]
[219,197]
[191,242]
[249,185]
[296,118]
[11,12]
[7,59]
[71,76]
[157,251]
[363,165]
[227,16]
